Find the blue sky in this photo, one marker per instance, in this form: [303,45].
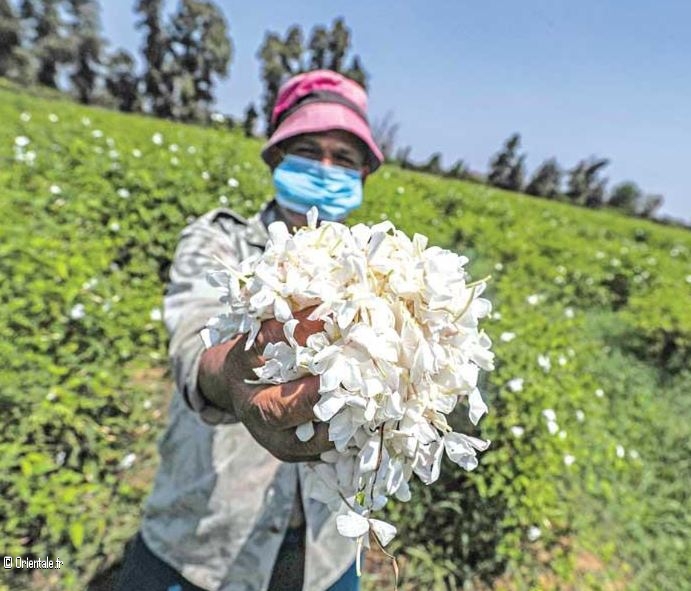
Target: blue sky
[603,78]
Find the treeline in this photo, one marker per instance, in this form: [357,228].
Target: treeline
[581,185]
[59,44]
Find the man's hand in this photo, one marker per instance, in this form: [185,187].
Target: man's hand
[270,412]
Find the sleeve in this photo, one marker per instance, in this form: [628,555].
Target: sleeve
[190,301]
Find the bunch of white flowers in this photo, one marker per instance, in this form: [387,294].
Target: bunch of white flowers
[400,348]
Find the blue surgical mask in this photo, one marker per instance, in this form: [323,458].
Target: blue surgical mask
[302,183]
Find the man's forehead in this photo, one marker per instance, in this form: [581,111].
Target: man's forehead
[333,136]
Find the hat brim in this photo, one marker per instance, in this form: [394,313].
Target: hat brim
[318,117]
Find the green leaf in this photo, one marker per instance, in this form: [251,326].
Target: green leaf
[77,534]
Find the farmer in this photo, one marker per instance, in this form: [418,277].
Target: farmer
[227,510]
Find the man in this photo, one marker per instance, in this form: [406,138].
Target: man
[227,511]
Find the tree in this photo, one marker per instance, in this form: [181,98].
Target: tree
[250,120]
[507,168]
[10,41]
[50,45]
[546,181]
[122,81]
[584,185]
[356,72]
[201,50]
[384,132]
[517,174]
[651,203]
[627,197]
[457,171]
[403,157]
[88,44]
[319,46]
[433,165]
[158,77]
[282,58]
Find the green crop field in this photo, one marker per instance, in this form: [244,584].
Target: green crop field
[585,485]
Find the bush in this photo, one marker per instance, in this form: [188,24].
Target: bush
[88,231]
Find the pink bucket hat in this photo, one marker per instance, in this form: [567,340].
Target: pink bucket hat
[321,100]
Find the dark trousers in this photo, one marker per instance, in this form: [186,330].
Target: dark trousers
[144,571]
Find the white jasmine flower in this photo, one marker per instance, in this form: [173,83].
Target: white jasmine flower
[114,227]
[233,183]
[55,190]
[173,147]
[156,315]
[174,161]
[60,458]
[157,138]
[25,117]
[127,462]
[86,122]
[113,154]
[21,141]
[580,416]
[507,337]
[569,459]
[634,455]
[77,312]
[97,134]
[124,193]
[568,312]
[517,431]
[137,153]
[223,200]
[551,418]
[205,175]
[53,118]
[599,392]
[515,385]
[533,534]
[533,299]
[621,452]
[401,346]
[51,396]
[498,267]
[544,363]
[400,190]
[191,150]
[562,434]
[549,414]
[561,360]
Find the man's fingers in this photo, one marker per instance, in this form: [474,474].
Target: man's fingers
[306,327]
[285,405]
[286,446]
[272,330]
